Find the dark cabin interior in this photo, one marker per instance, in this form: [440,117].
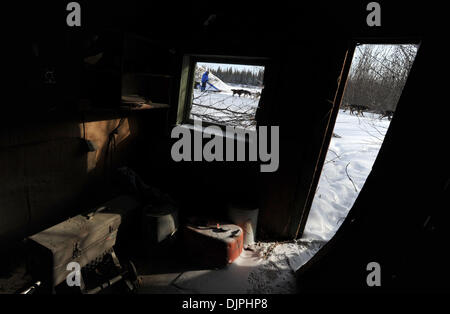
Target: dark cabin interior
[61,105]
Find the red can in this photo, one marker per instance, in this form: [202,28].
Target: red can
[214,245]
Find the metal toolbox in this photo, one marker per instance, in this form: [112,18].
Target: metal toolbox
[82,239]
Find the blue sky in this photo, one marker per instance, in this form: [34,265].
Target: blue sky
[240,67]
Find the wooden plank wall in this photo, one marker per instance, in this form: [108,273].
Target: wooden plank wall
[45,170]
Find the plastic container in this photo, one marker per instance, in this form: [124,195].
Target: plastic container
[247,219]
[159,223]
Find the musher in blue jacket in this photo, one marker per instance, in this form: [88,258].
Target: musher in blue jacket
[204,80]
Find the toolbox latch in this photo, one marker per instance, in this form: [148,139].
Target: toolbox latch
[76,250]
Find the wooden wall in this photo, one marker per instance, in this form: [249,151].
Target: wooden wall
[46,172]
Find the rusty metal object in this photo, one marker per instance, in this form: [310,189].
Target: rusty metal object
[32,289]
[214,245]
[128,275]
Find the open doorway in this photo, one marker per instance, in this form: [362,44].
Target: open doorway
[375,82]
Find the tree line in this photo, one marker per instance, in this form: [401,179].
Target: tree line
[377,75]
[245,77]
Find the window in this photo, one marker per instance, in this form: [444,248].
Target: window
[221,91]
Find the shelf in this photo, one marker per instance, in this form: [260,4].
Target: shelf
[144,107]
[98,113]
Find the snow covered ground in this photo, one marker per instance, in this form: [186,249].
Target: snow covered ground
[350,156]
[269,267]
[348,162]
[223,107]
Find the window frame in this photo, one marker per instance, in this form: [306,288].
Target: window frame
[187,81]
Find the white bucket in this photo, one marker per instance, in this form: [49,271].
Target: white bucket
[247,219]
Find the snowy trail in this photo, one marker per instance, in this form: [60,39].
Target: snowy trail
[354,153]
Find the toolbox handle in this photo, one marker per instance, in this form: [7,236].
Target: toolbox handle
[92,214]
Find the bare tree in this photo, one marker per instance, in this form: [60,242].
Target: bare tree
[237,114]
[378,75]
